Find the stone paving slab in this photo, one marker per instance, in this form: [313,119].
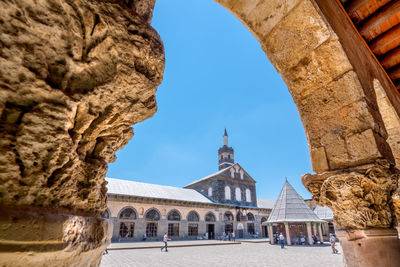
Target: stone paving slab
[244,254]
[158,244]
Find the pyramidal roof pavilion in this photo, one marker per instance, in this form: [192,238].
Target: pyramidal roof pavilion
[290,207]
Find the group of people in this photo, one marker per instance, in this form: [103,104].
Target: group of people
[229,236]
[280,238]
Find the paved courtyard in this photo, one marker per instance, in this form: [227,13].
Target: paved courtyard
[245,254]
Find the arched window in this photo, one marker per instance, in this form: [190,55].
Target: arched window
[232,173]
[241,174]
[250,216]
[263,219]
[238,194]
[229,156]
[106,214]
[227,192]
[210,217]
[174,215]
[128,214]
[228,216]
[210,191]
[248,195]
[152,215]
[193,216]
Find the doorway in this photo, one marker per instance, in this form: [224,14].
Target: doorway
[264,231]
[210,231]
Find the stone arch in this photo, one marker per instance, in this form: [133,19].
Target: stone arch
[152,214]
[329,71]
[210,217]
[228,216]
[193,216]
[250,216]
[174,215]
[333,93]
[308,54]
[124,209]
[263,219]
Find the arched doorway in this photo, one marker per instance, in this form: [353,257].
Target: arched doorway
[210,225]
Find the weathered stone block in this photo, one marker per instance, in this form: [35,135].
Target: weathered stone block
[295,36]
[318,160]
[362,147]
[331,97]
[262,16]
[320,68]
[75,76]
[349,119]
[337,154]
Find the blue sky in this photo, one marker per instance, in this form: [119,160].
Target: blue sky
[216,75]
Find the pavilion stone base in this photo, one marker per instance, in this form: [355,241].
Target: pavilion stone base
[35,238]
[374,247]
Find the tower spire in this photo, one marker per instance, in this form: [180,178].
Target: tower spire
[225,153]
[225,138]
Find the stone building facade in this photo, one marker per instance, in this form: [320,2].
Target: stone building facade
[225,201]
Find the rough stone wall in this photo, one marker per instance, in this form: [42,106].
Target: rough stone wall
[74,76]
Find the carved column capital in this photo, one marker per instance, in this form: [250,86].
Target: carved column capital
[360,198]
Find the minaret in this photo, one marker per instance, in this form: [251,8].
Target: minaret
[225,154]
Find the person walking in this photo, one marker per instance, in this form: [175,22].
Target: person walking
[144,237]
[233,236]
[165,240]
[282,240]
[332,240]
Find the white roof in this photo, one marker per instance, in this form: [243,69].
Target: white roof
[324,213]
[290,207]
[137,189]
[209,176]
[265,203]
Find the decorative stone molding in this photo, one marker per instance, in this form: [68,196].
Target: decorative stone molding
[360,198]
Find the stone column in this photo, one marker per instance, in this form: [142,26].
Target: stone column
[288,240]
[162,228]
[321,237]
[270,234]
[325,228]
[361,199]
[309,235]
[66,106]
[202,228]
[314,227]
[183,229]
